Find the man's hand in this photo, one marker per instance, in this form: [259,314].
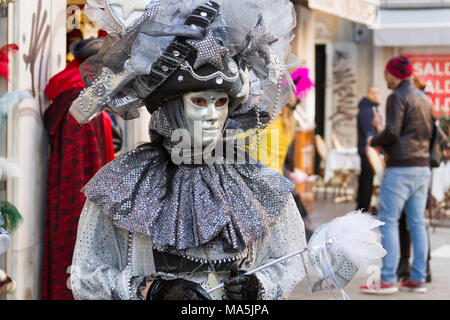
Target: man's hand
[377,122]
[369,142]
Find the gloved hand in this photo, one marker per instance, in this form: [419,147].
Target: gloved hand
[178,289]
[241,287]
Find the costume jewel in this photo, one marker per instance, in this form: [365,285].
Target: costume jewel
[259,40]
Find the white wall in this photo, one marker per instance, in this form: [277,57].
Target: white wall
[382,56]
[39,30]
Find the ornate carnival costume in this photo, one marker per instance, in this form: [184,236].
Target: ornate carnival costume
[169,213]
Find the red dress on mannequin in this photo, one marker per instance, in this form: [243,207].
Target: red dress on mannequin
[76,154]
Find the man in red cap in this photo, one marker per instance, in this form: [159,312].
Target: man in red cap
[406,142]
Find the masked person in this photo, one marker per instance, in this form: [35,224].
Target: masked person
[367,107]
[174,218]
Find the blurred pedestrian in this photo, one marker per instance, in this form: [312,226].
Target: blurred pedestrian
[290,171]
[280,156]
[367,108]
[276,151]
[406,142]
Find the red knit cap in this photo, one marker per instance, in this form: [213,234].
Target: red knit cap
[400,67]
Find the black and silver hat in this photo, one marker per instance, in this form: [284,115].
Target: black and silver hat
[173,47]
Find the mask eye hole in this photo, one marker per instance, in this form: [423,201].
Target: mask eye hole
[199,102]
[221,102]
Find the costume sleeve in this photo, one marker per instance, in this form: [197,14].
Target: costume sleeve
[287,236]
[395,111]
[100,268]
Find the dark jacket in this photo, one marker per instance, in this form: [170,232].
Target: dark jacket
[409,124]
[365,126]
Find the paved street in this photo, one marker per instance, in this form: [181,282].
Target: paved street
[325,211]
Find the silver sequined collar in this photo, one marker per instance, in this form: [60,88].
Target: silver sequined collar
[233,203]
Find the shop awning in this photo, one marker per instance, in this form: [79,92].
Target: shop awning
[361,11]
[412,27]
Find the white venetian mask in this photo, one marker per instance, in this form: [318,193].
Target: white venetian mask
[206,113]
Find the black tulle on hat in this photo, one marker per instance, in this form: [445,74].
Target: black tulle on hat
[87,48]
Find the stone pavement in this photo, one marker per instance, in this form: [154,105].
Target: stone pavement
[438,289]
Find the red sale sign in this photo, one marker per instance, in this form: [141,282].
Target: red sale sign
[434,71]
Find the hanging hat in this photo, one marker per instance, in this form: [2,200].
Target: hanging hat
[175,47]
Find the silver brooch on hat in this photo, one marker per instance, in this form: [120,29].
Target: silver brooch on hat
[259,40]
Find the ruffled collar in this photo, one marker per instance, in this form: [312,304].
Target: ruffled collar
[233,203]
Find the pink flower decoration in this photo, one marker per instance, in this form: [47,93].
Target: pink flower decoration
[302,82]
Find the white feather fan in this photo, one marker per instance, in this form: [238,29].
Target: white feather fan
[354,234]
[8,169]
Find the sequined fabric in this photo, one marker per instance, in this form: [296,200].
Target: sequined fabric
[344,270]
[236,203]
[112,263]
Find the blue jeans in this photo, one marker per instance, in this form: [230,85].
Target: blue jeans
[404,188]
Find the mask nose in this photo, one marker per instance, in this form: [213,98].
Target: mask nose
[212,112]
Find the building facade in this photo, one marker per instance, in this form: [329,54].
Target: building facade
[329,31]
[420,30]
